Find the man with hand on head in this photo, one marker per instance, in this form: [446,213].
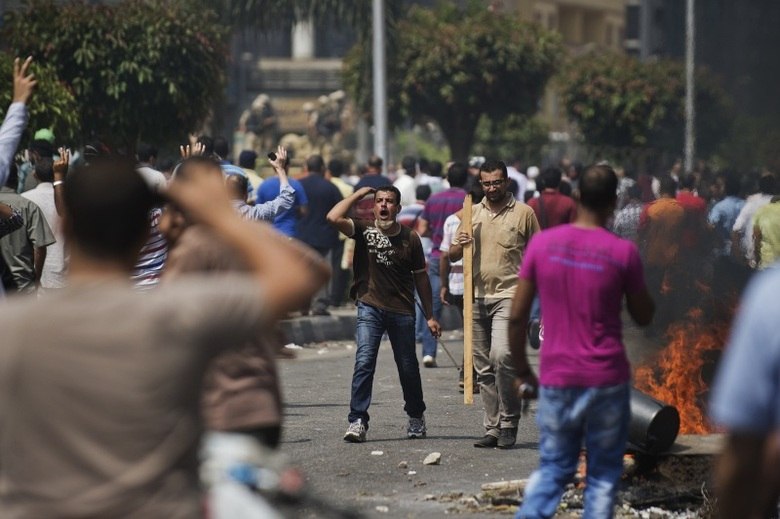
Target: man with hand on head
[389,264]
[104,399]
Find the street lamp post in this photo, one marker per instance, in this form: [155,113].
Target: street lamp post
[380,82]
[690,86]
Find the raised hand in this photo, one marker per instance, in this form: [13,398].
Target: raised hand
[24,83]
[61,165]
[280,162]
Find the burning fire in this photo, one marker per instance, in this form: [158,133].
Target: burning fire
[676,376]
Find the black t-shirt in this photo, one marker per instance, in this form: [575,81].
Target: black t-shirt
[384,267]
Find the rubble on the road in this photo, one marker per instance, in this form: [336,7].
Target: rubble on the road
[433,458]
[672,490]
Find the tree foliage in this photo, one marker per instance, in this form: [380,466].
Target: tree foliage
[51,106]
[453,66]
[620,102]
[146,69]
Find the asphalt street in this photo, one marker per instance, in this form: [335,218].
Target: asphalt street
[386,477]
[394,483]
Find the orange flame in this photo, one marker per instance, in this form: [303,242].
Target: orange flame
[675,378]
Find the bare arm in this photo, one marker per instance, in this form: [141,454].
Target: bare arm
[745,478]
[641,307]
[337,216]
[60,171]
[423,285]
[290,274]
[757,237]
[444,275]
[422,228]
[518,329]
[39,258]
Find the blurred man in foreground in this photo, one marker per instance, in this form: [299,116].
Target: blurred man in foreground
[100,410]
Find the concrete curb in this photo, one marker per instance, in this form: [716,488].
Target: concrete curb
[341,324]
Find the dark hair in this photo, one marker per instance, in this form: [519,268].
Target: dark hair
[375,162]
[528,195]
[731,184]
[315,163]
[391,189]
[564,188]
[767,184]
[146,152]
[409,164]
[551,177]
[598,188]
[425,165]
[434,168]
[44,169]
[423,192]
[107,204]
[458,174]
[247,159]
[667,185]
[336,167]
[634,191]
[688,182]
[42,147]
[493,165]
[208,145]
[221,147]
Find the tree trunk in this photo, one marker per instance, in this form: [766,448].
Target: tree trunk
[459,132]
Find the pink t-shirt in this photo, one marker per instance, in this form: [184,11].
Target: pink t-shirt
[582,276]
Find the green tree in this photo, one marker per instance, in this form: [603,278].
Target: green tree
[621,104]
[516,136]
[51,106]
[147,69]
[453,66]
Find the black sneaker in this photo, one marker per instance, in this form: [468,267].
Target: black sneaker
[486,442]
[507,438]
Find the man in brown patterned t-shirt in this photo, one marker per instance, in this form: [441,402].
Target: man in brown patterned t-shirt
[389,265]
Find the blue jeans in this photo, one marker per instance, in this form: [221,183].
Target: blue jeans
[372,322]
[567,417]
[422,333]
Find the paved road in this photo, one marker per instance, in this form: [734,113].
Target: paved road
[316,389]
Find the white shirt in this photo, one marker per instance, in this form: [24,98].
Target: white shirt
[744,223]
[405,185]
[53,273]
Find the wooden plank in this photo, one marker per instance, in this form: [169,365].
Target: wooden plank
[468,300]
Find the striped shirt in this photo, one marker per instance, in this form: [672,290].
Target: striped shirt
[437,209]
[152,258]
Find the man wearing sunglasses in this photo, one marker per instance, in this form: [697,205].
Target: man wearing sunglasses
[501,228]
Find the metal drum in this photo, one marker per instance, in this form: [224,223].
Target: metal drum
[654,425]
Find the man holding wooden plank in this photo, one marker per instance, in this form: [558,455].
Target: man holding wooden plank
[501,228]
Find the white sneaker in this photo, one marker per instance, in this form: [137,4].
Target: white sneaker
[356,432]
[429,361]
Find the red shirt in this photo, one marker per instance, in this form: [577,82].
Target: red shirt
[691,202]
[558,209]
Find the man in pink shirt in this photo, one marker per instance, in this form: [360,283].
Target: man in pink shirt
[582,272]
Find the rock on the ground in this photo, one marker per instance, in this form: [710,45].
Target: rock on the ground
[433,458]
[403,465]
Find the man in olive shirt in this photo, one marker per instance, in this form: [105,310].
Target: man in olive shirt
[501,229]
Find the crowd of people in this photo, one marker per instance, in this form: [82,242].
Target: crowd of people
[161,286]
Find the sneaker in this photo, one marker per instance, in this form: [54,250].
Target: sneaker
[507,438]
[356,432]
[486,442]
[429,361]
[416,427]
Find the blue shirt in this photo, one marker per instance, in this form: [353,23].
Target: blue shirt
[314,229]
[285,222]
[746,393]
[722,217]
